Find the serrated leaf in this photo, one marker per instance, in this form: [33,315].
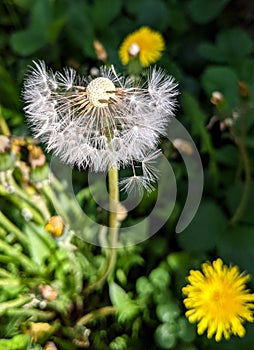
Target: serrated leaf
[39,250]
[205,11]
[127,309]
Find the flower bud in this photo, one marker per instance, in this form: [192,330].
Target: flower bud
[100,51]
[55,226]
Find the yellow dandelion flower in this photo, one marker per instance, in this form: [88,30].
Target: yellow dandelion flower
[218,300]
[145,43]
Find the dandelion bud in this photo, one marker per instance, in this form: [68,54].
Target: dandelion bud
[55,226]
[7,157]
[36,156]
[121,212]
[243,89]
[39,330]
[50,346]
[100,51]
[17,143]
[183,146]
[217,98]
[48,292]
[4,143]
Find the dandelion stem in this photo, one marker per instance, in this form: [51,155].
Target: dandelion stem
[7,305]
[113,228]
[10,227]
[104,311]
[24,197]
[113,204]
[247,169]
[3,126]
[18,256]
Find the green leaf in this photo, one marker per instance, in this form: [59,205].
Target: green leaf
[149,12]
[160,277]
[187,331]
[227,155]
[236,246]
[223,79]
[231,45]
[247,71]
[39,250]
[165,335]
[167,312]
[205,11]
[233,197]
[9,96]
[26,42]
[202,233]
[79,28]
[19,342]
[127,309]
[104,12]
[29,40]
[54,29]
[197,118]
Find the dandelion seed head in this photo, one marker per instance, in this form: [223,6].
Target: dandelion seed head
[97,122]
[100,90]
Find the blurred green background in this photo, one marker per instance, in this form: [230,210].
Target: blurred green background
[209,48]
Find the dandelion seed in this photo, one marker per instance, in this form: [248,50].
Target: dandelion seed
[218,300]
[136,184]
[98,122]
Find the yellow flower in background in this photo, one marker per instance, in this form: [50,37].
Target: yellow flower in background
[217,299]
[145,43]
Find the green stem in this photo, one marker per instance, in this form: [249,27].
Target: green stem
[7,305]
[49,193]
[113,206]
[113,229]
[10,227]
[32,205]
[104,311]
[18,256]
[33,314]
[3,126]
[247,170]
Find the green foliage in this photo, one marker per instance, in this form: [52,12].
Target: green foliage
[204,12]
[223,79]
[231,46]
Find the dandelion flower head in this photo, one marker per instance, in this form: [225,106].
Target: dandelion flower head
[145,43]
[217,299]
[99,122]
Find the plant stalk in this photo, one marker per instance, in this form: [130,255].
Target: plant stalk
[113,228]
[247,170]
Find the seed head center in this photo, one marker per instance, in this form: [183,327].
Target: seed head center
[100,90]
